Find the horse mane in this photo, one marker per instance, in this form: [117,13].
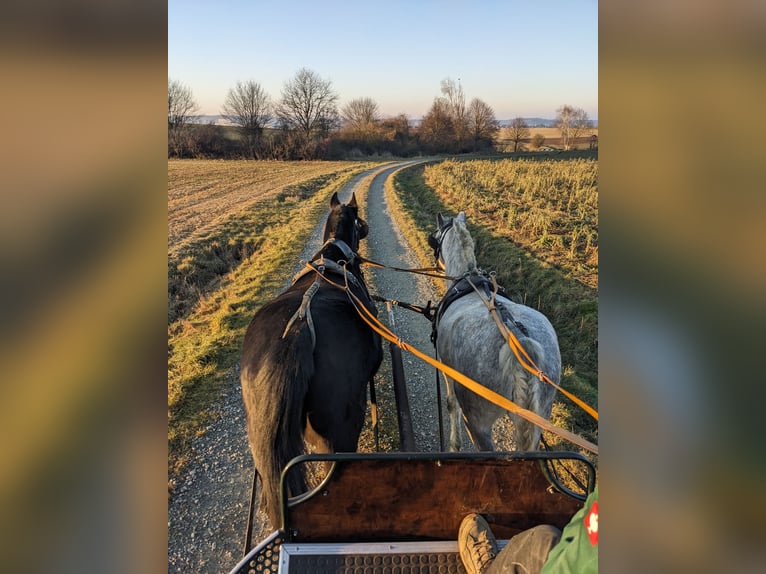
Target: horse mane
[465,244]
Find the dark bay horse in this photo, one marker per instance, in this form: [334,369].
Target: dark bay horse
[469,340]
[306,361]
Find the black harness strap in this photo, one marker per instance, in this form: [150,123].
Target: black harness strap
[427,311]
[250,516]
[304,312]
[468,283]
[319,264]
[348,254]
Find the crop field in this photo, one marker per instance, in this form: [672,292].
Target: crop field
[548,207]
[552,138]
[535,223]
[553,133]
[216,209]
[222,214]
[202,193]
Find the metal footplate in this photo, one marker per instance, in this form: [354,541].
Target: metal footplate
[431,557]
[264,558]
[404,557]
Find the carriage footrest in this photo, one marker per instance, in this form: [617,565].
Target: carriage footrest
[403,557]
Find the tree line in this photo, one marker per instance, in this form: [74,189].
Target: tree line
[306,123]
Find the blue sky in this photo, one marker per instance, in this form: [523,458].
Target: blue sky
[522,58]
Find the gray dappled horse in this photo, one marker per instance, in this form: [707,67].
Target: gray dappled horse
[307,359]
[468,340]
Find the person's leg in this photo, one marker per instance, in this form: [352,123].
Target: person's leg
[526,552]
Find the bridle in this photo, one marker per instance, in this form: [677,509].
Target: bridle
[435,239]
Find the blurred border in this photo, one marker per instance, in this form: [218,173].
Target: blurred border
[682,282]
[83,251]
[83,480]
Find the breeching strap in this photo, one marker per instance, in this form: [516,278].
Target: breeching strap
[518,350]
[304,312]
[467,382]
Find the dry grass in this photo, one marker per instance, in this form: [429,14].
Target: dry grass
[203,193]
[217,211]
[548,206]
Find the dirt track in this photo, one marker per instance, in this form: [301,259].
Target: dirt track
[207,516]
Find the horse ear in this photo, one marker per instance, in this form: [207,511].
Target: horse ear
[461,216]
[334,201]
[352,203]
[439,221]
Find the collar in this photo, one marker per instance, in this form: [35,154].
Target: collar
[348,254]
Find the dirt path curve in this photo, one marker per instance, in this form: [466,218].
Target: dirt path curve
[207,516]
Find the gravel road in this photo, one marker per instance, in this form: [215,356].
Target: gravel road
[208,513]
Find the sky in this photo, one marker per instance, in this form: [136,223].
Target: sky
[523,58]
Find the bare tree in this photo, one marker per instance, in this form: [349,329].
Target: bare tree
[248,106]
[361,115]
[396,129]
[181,107]
[482,124]
[455,99]
[308,105]
[181,104]
[572,123]
[517,131]
[437,129]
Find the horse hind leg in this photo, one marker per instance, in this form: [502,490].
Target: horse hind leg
[481,436]
[453,409]
[315,471]
[319,443]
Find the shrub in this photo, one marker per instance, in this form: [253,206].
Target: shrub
[537,140]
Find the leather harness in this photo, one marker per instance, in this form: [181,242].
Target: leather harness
[319,264]
[470,283]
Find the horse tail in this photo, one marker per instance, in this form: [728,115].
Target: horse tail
[526,392]
[283,382]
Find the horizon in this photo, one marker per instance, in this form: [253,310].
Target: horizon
[411,119]
[523,59]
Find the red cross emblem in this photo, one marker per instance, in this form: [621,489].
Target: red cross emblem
[591,523]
